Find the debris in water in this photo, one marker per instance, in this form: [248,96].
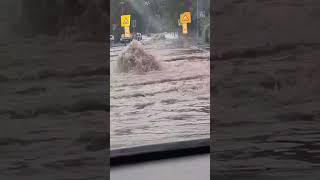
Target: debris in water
[160,36]
[135,59]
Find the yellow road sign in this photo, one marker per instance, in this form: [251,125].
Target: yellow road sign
[185,28]
[127,32]
[185,18]
[125,20]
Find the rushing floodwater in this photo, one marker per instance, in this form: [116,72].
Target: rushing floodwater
[172,104]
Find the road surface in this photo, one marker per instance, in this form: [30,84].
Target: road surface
[169,105]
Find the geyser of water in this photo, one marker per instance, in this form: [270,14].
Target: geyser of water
[135,59]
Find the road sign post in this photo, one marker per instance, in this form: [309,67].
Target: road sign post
[185,19]
[125,20]
[127,32]
[134,25]
[125,23]
[184,28]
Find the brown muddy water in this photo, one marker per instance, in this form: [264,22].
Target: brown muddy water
[164,105]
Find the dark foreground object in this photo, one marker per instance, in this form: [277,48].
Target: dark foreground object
[140,154]
[184,168]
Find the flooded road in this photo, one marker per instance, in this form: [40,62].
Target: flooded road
[172,104]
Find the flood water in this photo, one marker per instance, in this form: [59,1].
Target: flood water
[172,104]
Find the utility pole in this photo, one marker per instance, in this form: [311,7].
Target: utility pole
[122,3]
[197,26]
[147,25]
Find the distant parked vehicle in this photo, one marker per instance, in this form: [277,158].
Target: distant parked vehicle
[138,36]
[125,39]
[111,38]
